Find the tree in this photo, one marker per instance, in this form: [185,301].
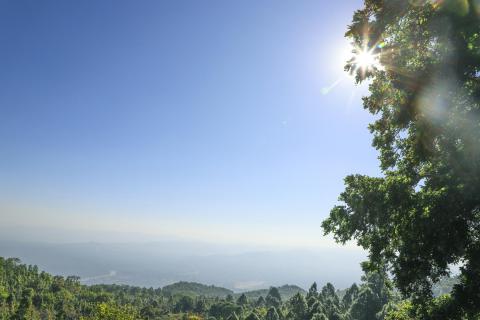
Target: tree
[350,295]
[328,293]
[260,302]
[107,311]
[184,304]
[273,298]
[224,309]
[366,306]
[319,316]
[402,311]
[315,308]
[25,310]
[242,300]
[330,303]
[312,296]
[252,316]
[298,307]
[313,291]
[336,316]
[200,305]
[233,316]
[423,214]
[149,312]
[272,314]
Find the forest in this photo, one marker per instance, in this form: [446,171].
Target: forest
[28,293]
[418,220]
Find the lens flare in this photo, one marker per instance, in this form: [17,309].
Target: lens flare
[365,59]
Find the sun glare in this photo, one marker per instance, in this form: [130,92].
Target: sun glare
[365,59]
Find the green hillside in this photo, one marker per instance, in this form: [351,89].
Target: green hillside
[195,289]
[286,292]
[27,293]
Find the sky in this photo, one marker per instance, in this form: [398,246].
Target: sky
[218,121]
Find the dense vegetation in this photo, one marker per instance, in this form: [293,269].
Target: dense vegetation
[27,293]
[423,214]
[194,289]
[416,220]
[286,292]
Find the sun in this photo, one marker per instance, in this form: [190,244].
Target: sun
[365,59]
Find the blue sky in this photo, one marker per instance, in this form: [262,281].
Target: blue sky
[207,120]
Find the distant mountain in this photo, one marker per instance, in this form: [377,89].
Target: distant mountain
[286,291]
[196,289]
[157,264]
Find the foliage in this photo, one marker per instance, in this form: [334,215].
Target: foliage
[196,289]
[273,299]
[252,316]
[242,300]
[111,312]
[401,312]
[298,307]
[423,214]
[27,293]
[272,314]
[286,292]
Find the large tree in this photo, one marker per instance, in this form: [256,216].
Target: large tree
[298,307]
[422,215]
[371,298]
[273,299]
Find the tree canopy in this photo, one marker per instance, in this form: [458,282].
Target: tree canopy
[422,215]
[27,293]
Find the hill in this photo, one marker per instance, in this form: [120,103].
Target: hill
[157,264]
[195,289]
[28,293]
[286,292]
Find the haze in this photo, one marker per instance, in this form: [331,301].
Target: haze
[168,140]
